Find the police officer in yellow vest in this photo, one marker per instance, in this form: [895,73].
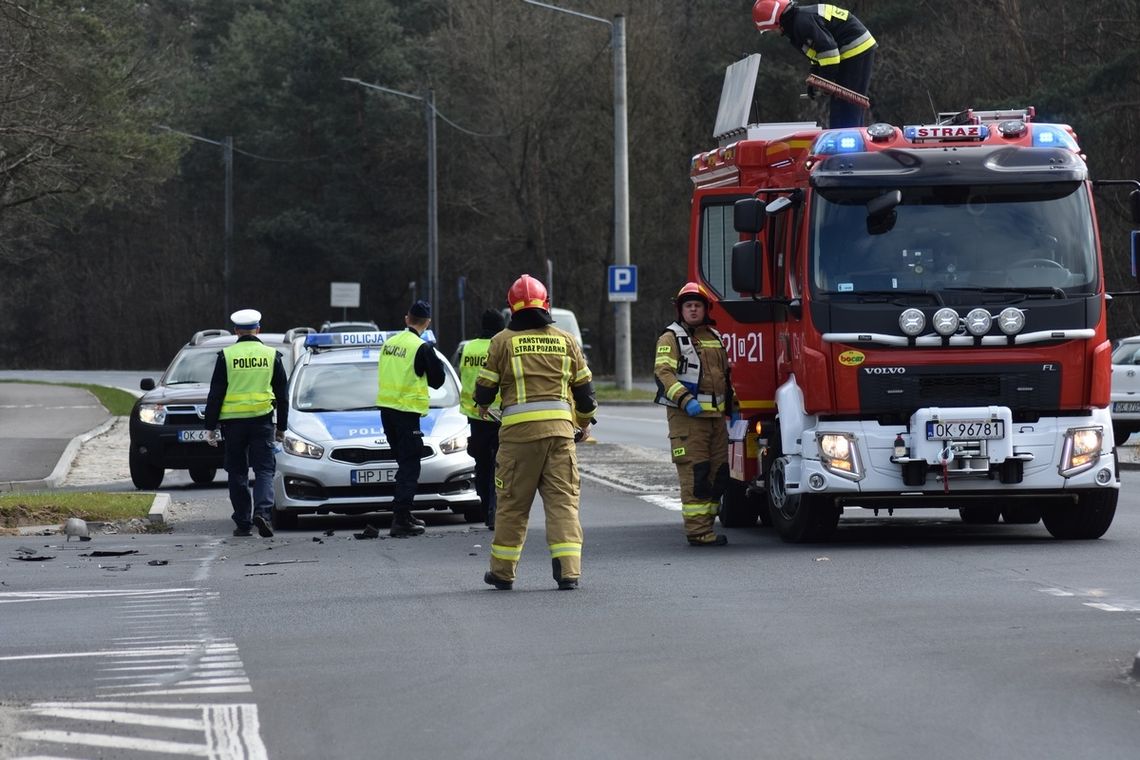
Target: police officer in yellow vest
[547,393]
[484,440]
[248,381]
[691,369]
[407,366]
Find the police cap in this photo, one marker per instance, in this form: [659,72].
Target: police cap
[246,319]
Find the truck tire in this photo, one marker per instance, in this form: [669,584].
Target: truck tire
[144,475]
[284,519]
[799,518]
[1087,519]
[202,475]
[980,515]
[737,508]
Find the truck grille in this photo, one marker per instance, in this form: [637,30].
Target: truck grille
[1026,389]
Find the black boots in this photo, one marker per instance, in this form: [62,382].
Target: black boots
[564,584]
[405,525]
[711,539]
[264,529]
[498,583]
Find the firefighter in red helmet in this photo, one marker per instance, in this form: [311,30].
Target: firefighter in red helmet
[693,382]
[838,45]
[547,397]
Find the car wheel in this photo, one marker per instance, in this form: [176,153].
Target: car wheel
[284,519]
[799,518]
[474,513]
[203,474]
[980,515]
[144,475]
[1121,431]
[737,508]
[1087,519]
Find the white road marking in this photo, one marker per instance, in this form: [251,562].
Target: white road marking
[665,501]
[116,742]
[14,597]
[175,650]
[120,716]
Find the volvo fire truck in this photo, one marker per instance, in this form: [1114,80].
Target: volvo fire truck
[915,316]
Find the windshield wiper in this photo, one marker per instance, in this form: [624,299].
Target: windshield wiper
[187,382]
[1051,291]
[888,296]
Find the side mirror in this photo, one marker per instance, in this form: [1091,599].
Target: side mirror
[748,267]
[881,214]
[146,384]
[748,215]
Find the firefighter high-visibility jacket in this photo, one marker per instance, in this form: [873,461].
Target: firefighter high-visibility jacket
[692,363]
[544,382]
[826,34]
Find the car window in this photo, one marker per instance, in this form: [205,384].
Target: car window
[192,365]
[1126,353]
[341,386]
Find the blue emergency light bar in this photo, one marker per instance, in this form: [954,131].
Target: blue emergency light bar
[838,141]
[357,339]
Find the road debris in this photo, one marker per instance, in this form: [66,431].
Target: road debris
[281,562]
[110,553]
[159,562]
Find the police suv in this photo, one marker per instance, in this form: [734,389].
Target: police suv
[167,424]
[336,458]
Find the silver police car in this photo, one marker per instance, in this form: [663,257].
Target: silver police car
[336,459]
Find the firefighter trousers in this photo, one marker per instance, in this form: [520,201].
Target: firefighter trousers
[550,467]
[699,447]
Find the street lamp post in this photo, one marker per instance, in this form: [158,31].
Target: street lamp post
[623,370]
[432,225]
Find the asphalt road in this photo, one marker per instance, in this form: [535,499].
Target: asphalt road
[908,637]
[38,422]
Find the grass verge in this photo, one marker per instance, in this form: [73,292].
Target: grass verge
[20,508]
[118,402]
[610,392]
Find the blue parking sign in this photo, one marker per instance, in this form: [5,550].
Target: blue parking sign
[623,283]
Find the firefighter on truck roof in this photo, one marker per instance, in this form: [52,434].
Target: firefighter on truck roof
[547,393]
[692,373]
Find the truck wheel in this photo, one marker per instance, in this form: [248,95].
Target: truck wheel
[799,518]
[284,519]
[144,475]
[737,508]
[1021,514]
[980,515]
[203,474]
[1088,518]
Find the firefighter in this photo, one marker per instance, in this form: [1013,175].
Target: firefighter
[248,382]
[838,45]
[407,366]
[693,381]
[484,440]
[547,393]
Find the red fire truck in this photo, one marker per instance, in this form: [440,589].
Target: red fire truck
[916,318]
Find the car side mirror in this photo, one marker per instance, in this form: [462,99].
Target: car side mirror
[146,384]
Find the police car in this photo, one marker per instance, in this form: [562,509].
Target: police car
[336,458]
[167,423]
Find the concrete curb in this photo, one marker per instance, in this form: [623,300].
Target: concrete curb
[156,516]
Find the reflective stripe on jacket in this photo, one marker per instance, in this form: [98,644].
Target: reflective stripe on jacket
[691,365]
[249,380]
[400,387]
[828,34]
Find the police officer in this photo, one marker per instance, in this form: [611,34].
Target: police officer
[547,392]
[407,366]
[484,441]
[692,374]
[248,381]
[833,39]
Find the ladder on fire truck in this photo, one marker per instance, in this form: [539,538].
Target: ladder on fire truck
[970,116]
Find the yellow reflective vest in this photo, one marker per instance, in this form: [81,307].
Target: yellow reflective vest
[473,359]
[249,380]
[400,387]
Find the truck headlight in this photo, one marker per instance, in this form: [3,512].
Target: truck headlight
[454,443]
[839,455]
[1080,451]
[302,448]
[152,414]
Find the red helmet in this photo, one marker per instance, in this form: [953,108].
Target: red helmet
[766,14]
[527,293]
[693,291]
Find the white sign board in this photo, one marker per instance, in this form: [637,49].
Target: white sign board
[345,294]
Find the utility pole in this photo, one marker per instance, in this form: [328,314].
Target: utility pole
[228,242]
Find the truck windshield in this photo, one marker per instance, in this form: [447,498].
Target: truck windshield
[1020,238]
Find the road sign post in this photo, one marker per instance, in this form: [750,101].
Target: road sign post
[345,295]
